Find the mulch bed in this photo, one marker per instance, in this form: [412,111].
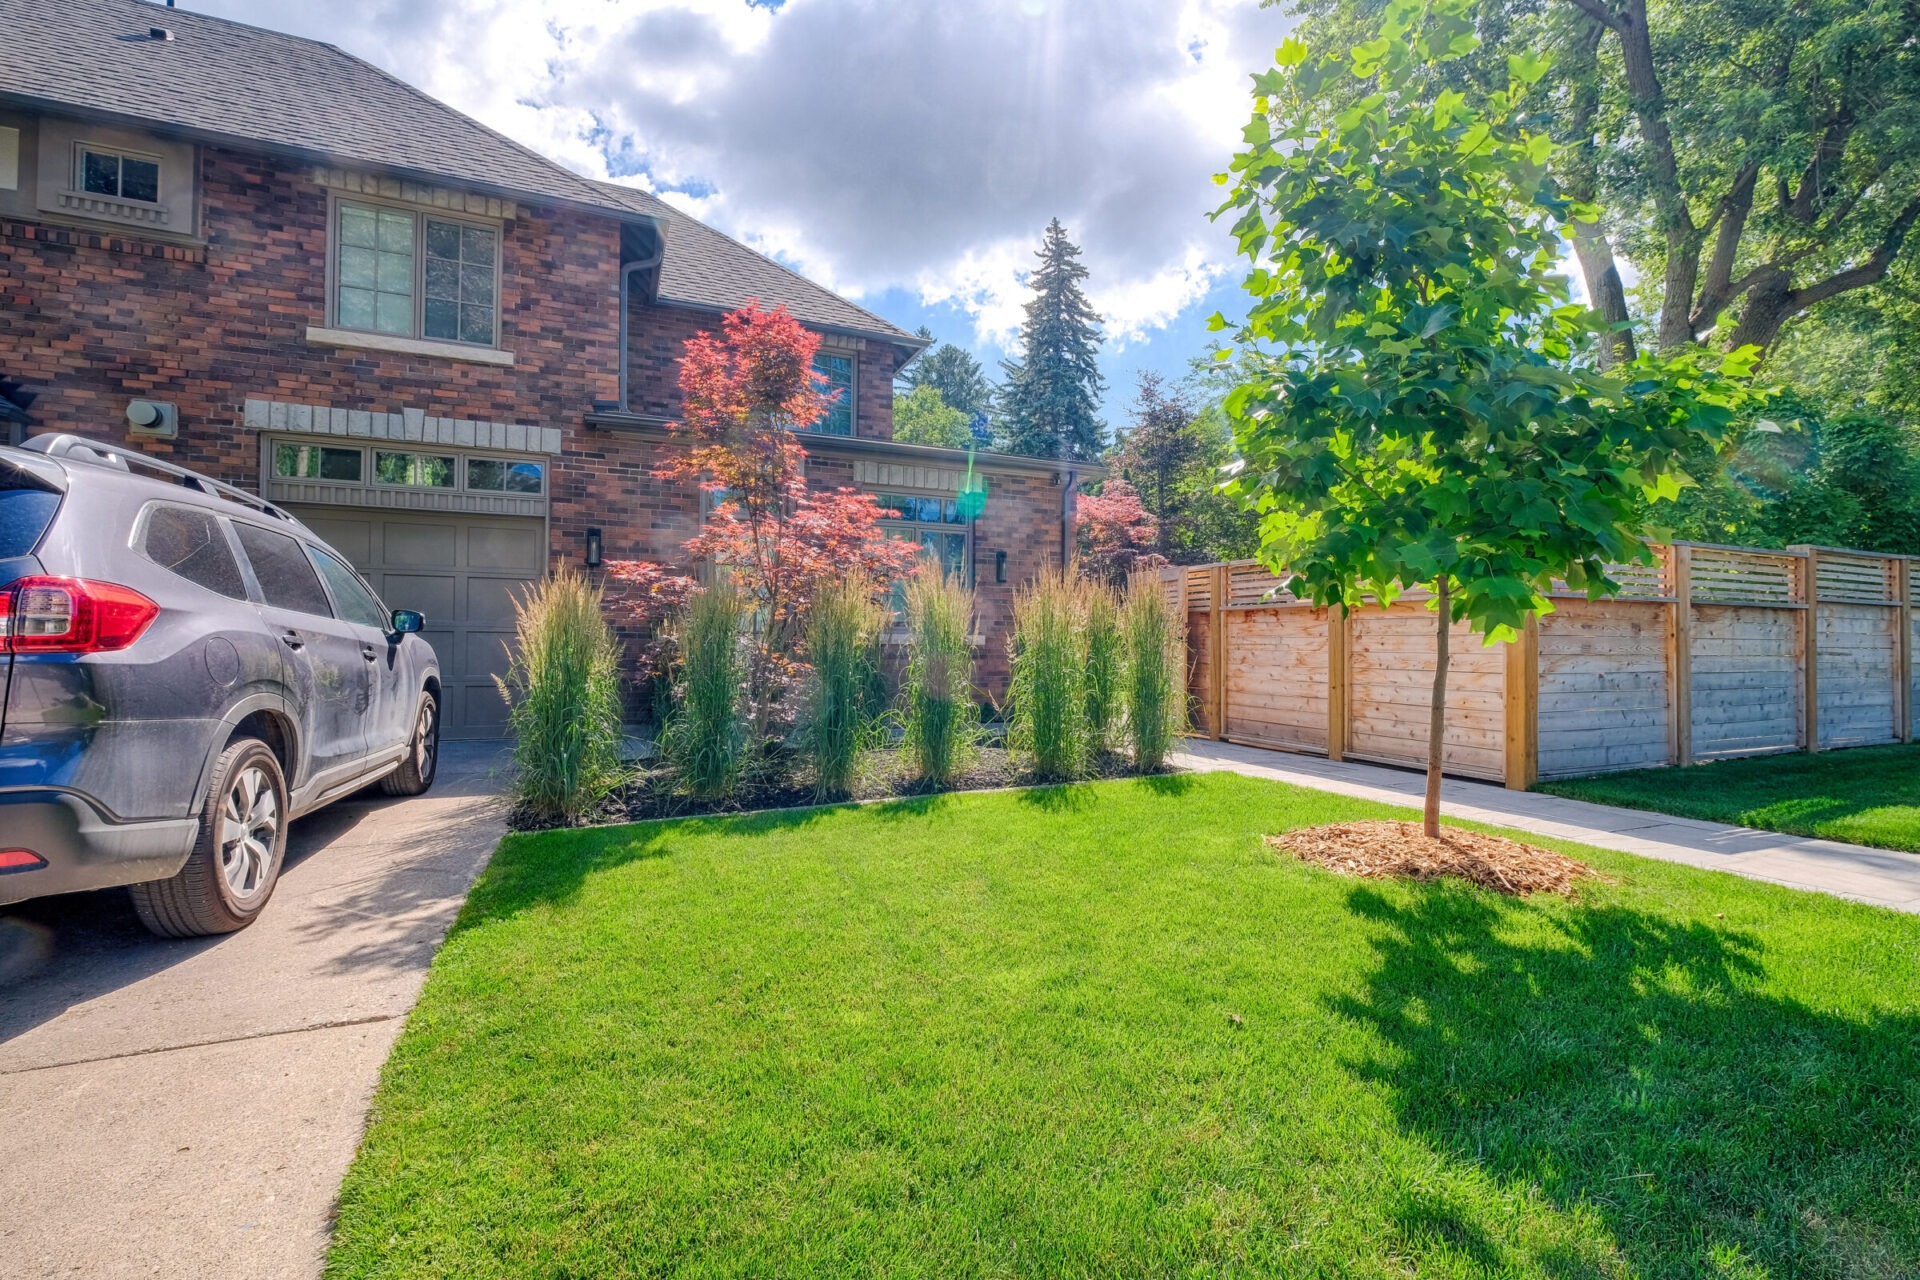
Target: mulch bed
[1402,849]
[784,784]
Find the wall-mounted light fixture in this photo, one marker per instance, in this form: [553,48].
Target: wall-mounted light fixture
[999,566]
[593,548]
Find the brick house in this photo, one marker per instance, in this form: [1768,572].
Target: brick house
[267,260]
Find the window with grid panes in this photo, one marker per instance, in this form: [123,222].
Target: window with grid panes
[937,524]
[415,275]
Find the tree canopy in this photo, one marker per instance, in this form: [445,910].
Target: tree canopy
[954,373]
[922,416]
[1753,161]
[1050,399]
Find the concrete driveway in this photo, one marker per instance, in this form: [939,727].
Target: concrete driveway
[187,1109]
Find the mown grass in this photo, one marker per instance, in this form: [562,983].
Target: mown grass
[1868,795]
[1099,1030]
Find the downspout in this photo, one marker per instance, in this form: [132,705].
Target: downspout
[1071,487]
[626,293]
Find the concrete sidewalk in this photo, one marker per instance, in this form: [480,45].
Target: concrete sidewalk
[188,1108]
[1879,876]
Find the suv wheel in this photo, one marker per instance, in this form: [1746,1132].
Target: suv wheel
[415,773]
[236,860]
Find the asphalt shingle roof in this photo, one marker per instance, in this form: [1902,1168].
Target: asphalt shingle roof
[243,82]
[709,269]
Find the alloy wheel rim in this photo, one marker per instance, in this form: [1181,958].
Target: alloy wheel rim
[426,742]
[249,829]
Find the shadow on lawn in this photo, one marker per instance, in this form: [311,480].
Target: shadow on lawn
[1630,1064]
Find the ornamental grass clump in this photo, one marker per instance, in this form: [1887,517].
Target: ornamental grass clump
[1046,698]
[1106,665]
[940,719]
[563,696]
[1155,685]
[843,626]
[705,740]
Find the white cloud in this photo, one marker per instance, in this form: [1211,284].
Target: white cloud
[872,143]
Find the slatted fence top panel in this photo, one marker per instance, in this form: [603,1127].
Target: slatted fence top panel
[1745,577]
[1913,581]
[1643,581]
[1251,586]
[1855,579]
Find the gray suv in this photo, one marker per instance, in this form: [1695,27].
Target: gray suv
[184,669]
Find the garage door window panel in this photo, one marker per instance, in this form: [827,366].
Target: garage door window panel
[319,462]
[413,470]
[498,475]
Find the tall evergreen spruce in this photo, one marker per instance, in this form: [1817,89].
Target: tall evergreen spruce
[954,373]
[1049,401]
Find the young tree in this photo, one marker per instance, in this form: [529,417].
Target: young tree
[952,372]
[1114,533]
[744,394]
[1159,455]
[1049,403]
[1428,420]
[922,417]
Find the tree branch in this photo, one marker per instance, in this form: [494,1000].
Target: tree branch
[1669,201]
[1731,215]
[1599,12]
[1867,272]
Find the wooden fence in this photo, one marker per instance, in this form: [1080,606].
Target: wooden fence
[1714,652]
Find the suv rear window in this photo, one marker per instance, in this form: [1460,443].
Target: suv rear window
[26,509]
[190,542]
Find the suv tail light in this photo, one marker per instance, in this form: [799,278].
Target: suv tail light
[71,615]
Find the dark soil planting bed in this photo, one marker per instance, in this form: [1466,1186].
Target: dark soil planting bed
[783,782]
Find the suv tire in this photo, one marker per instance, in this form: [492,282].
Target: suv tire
[415,773]
[236,857]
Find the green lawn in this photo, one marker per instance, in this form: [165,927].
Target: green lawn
[1869,795]
[1100,1031]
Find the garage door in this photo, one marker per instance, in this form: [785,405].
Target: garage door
[464,573]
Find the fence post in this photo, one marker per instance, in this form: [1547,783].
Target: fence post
[1217,651]
[1810,643]
[1902,567]
[1336,682]
[1523,707]
[1680,650]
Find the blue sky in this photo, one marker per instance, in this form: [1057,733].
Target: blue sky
[905,152]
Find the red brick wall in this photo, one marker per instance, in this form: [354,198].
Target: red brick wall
[89,328]
[89,321]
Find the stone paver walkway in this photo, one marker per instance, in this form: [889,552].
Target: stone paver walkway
[1879,876]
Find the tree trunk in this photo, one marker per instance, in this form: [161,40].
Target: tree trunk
[1437,724]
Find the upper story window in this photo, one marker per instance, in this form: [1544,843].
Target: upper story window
[117,174]
[415,274]
[837,370]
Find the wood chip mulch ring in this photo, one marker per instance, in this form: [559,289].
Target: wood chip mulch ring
[1381,848]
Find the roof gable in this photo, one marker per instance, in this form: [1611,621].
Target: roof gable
[244,83]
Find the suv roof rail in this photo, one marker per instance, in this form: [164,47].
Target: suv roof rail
[100,453]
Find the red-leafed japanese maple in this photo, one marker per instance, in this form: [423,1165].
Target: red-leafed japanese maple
[745,392]
[1115,532]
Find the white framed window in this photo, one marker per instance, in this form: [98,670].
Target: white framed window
[118,175]
[415,274]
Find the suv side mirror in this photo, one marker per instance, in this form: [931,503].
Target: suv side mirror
[407,622]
